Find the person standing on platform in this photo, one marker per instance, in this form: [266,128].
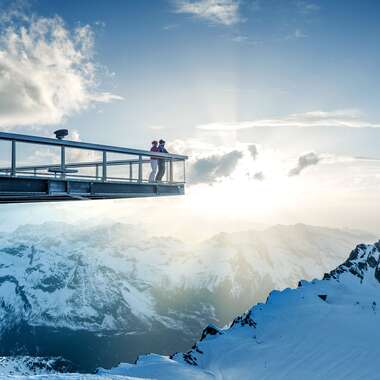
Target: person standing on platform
[153,162]
[161,161]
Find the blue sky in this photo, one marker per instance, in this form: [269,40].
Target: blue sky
[297,79]
[177,70]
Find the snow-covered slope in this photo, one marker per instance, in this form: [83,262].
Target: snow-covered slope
[324,329]
[27,365]
[74,291]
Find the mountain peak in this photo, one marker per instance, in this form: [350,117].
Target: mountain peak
[272,338]
[363,261]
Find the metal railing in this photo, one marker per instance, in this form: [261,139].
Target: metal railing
[175,168]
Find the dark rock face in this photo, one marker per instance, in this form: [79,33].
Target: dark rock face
[361,260]
[244,320]
[377,274]
[372,262]
[190,359]
[210,330]
[190,356]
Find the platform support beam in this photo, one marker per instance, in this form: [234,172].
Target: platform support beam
[104,167]
[63,162]
[13,163]
[140,169]
[170,170]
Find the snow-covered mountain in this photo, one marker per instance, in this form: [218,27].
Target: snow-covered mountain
[98,296]
[324,329]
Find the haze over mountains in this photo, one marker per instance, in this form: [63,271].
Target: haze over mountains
[324,329]
[103,295]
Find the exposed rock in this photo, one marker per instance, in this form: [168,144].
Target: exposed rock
[210,330]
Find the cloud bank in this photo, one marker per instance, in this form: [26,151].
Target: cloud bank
[47,72]
[340,118]
[224,12]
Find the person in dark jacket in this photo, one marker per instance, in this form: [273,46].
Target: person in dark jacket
[161,161]
[153,162]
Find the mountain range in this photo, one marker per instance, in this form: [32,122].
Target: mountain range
[323,329]
[102,295]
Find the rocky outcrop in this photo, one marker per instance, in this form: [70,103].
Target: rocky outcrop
[362,260]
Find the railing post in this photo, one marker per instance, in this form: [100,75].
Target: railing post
[130,171]
[184,171]
[104,167]
[140,169]
[171,170]
[63,158]
[97,171]
[13,163]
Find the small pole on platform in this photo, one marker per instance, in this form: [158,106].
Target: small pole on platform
[130,171]
[62,162]
[140,169]
[184,171]
[13,163]
[97,171]
[104,167]
[171,170]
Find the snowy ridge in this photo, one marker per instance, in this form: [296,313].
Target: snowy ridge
[322,329]
[77,291]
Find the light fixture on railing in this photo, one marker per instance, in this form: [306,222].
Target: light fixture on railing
[60,134]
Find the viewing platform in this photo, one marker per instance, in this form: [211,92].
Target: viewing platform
[40,169]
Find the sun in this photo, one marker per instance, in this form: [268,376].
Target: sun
[249,192]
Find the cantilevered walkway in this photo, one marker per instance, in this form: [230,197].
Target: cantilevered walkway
[80,171]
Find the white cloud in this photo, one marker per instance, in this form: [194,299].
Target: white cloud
[240,38]
[209,169]
[253,150]
[170,27]
[225,12]
[156,127]
[297,34]
[47,72]
[350,118]
[307,7]
[305,160]
[246,40]
[259,176]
